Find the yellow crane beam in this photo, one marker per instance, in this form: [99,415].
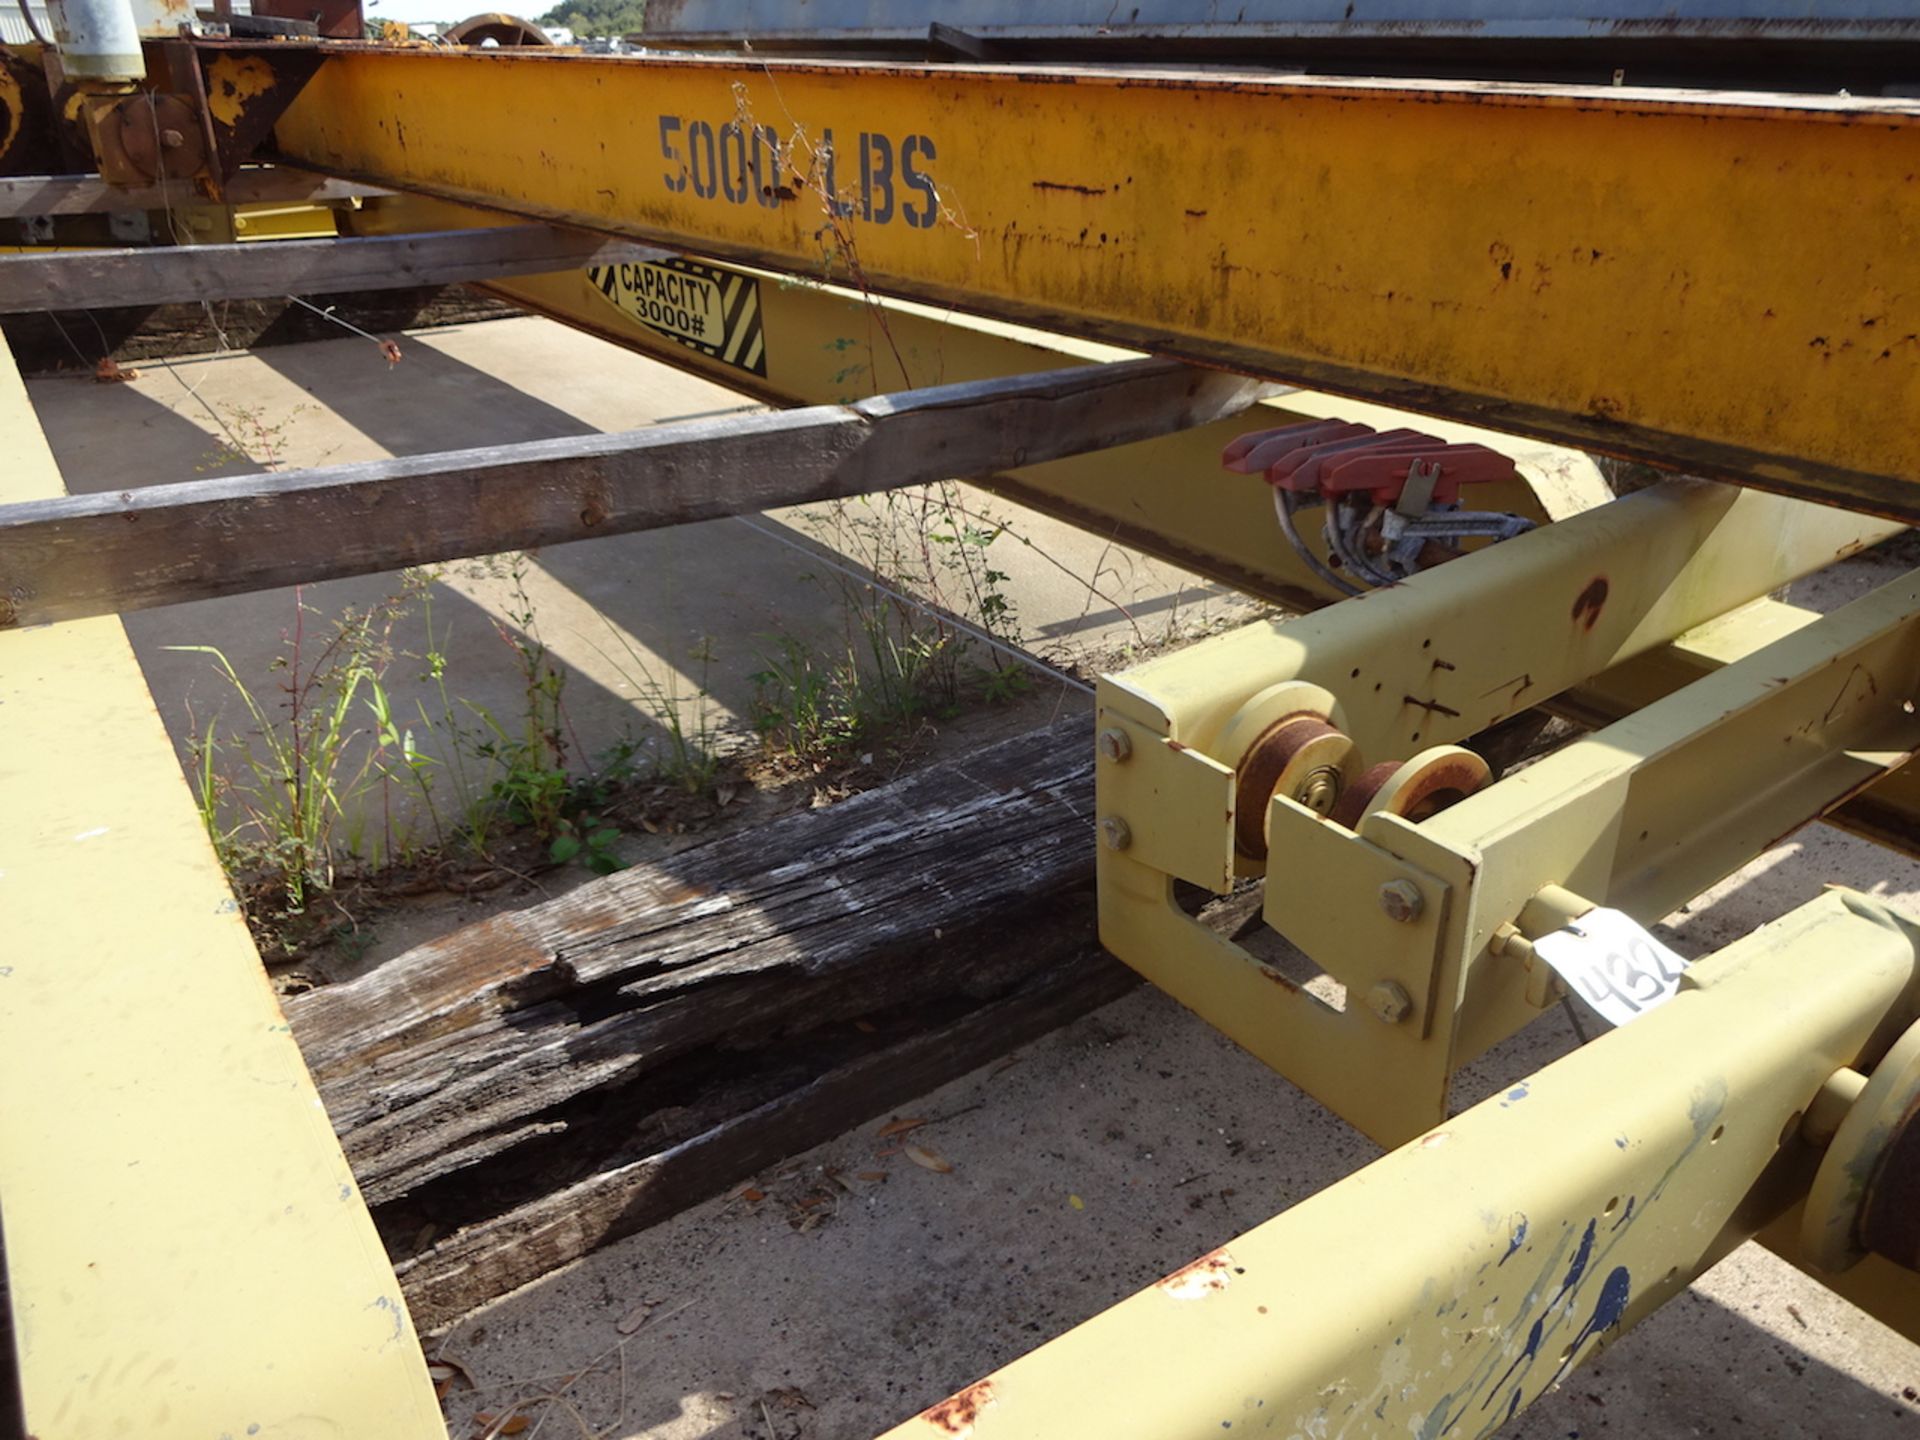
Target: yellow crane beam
[1726,284]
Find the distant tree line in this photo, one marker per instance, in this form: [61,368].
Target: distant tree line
[597,17]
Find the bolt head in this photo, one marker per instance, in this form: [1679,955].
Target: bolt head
[1115,745]
[1390,1001]
[1115,833]
[1402,901]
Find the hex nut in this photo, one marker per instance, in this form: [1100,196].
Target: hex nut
[1115,745]
[1320,790]
[1115,833]
[1402,901]
[1390,1001]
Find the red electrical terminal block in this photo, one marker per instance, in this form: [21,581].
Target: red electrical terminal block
[1338,457]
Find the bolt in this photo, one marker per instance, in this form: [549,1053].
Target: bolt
[1114,744]
[1319,790]
[1402,901]
[1116,833]
[1390,1001]
[172,139]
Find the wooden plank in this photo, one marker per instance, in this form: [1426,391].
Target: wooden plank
[91,195]
[185,1251]
[444,1056]
[95,554]
[544,1082]
[92,279]
[486,1260]
[725,1007]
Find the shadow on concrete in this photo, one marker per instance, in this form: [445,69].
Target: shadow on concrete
[120,437]
[429,401]
[253,631]
[933,1317]
[715,590]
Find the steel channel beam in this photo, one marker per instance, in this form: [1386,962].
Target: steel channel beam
[1583,265]
[1446,1287]
[1463,646]
[186,1252]
[1888,813]
[1649,812]
[1410,668]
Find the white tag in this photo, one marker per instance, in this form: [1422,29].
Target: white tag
[1613,964]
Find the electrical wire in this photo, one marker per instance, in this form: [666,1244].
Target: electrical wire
[33,25]
[327,314]
[1284,503]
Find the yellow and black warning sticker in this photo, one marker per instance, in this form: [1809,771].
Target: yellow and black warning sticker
[716,312]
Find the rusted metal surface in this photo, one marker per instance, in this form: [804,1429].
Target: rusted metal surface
[1424,786]
[158,137]
[1197,1279]
[499,27]
[245,95]
[27,127]
[1301,753]
[957,1415]
[337,19]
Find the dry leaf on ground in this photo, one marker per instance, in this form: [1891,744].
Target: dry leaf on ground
[636,1317]
[929,1160]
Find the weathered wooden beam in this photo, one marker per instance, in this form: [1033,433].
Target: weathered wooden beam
[84,555]
[156,275]
[91,195]
[485,1260]
[546,1081]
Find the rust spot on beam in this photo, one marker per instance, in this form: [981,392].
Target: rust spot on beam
[1208,1275]
[957,1413]
[1589,604]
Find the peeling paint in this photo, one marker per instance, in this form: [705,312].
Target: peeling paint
[1208,1275]
[233,80]
[957,1414]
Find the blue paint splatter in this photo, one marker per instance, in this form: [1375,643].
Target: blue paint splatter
[1625,1215]
[1579,1265]
[1519,1238]
[1619,1142]
[1515,1095]
[1607,1311]
[1526,1357]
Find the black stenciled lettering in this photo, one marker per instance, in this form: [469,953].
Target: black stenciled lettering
[766,166]
[733,162]
[706,179]
[676,176]
[876,178]
[914,148]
